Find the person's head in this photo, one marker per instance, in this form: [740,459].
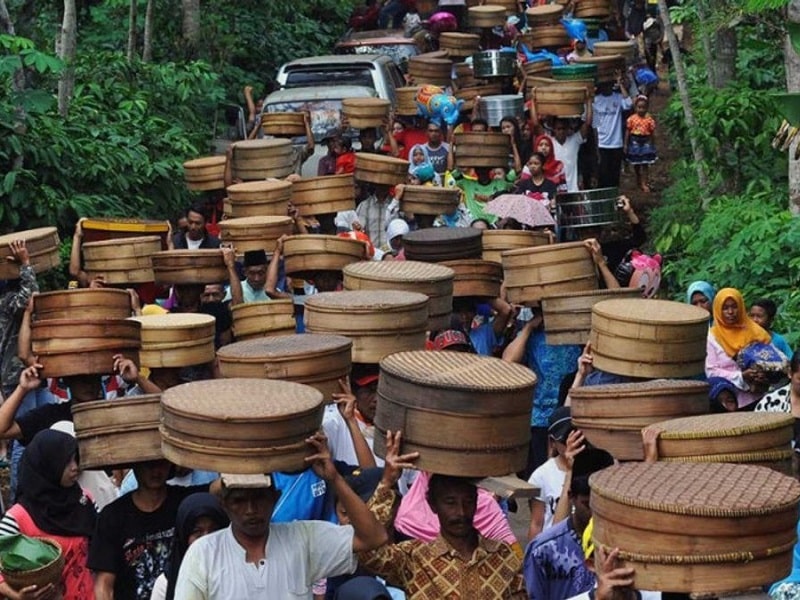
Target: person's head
[213,292]
[580,44]
[729,308]
[187,296]
[397,127]
[84,388]
[153,474]
[701,294]
[509,126]
[435,134]
[484,174]
[363,482]
[605,88]
[367,138]
[559,426]
[543,145]
[722,394]
[418,155]
[587,462]
[535,163]
[641,105]
[561,130]
[464,311]
[166,377]
[763,312]
[196,222]
[364,384]
[479,125]
[255,268]
[53,460]
[182,223]
[454,501]
[498,174]
[326,281]
[395,231]
[249,501]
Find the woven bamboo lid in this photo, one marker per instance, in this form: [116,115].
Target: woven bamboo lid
[722,425]
[42,245]
[408,271]
[443,235]
[268,144]
[175,321]
[640,388]
[456,370]
[268,189]
[284,346]
[365,301]
[132,246]
[641,310]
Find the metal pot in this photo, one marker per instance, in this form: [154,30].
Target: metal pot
[494,63]
[494,108]
[588,208]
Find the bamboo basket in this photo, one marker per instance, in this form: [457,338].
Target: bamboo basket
[304,254]
[428,200]
[459,44]
[118,433]
[313,359]
[383,170]
[442,243]
[435,281]
[176,340]
[649,338]
[42,245]
[697,527]
[283,124]
[467,415]
[378,322]
[366,112]
[559,101]
[205,173]
[435,71]
[468,94]
[321,195]
[89,303]
[547,14]
[240,425]
[495,241]
[625,49]
[476,278]
[511,7]
[592,8]
[607,66]
[407,101]
[465,76]
[531,273]
[481,149]
[487,16]
[262,159]
[52,572]
[121,261]
[255,233]
[253,320]
[258,199]
[83,347]
[181,267]
[546,36]
[538,68]
[99,229]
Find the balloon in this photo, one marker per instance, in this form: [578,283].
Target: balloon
[442,21]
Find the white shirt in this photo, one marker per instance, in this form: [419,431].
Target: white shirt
[567,153]
[340,441]
[297,554]
[607,119]
[550,480]
[193,244]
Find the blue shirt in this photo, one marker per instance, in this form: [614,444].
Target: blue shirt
[484,339]
[551,364]
[554,567]
[303,497]
[781,344]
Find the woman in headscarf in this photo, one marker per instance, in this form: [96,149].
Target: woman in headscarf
[51,504]
[701,294]
[198,515]
[733,331]
[553,169]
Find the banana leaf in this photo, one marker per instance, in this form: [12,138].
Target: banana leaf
[23,553]
[789,107]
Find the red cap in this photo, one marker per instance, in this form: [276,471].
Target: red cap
[366,380]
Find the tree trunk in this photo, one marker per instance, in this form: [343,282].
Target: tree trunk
[725,46]
[191,26]
[683,91]
[705,41]
[792,62]
[66,52]
[132,14]
[147,45]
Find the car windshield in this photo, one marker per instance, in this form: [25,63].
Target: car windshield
[321,76]
[325,114]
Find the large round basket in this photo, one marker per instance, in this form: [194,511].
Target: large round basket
[99,229]
[255,233]
[42,245]
[49,573]
[607,66]
[487,16]
[459,44]
[465,78]
[476,278]
[435,71]
[568,316]
[176,340]
[83,347]
[118,433]
[378,322]
[494,109]
[548,14]
[261,159]
[88,303]
[465,414]
[240,425]
[435,281]
[428,200]
[559,101]
[538,68]
[283,124]
[592,8]
[304,254]
[442,243]
[468,94]
[758,438]
[649,338]
[314,359]
[612,416]
[383,170]
[366,112]
[531,273]
[495,241]
[122,261]
[697,527]
[321,195]
[406,105]
[259,198]
[481,149]
[511,7]
[182,267]
[546,36]
[625,49]
[263,319]
[588,208]
[204,174]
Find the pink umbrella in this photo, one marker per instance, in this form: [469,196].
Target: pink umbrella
[519,207]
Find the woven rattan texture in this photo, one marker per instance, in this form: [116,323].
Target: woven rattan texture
[641,388]
[640,310]
[722,425]
[285,346]
[175,321]
[377,301]
[698,489]
[591,293]
[456,370]
[736,457]
[124,242]
[442,235]
[399,270]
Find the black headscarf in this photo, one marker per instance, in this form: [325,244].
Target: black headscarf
[201,504]
[54,508]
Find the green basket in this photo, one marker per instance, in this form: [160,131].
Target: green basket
[572,72]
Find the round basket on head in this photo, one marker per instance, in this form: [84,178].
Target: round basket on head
[366,112]
[547,14]
[83,346]
[88,303]
[322,195]
[465,77]
[429,200]
[592,8]
[306,253]
[538,68]
[435,71]
[240,425]
[121,261]
[261,159]
[459,44]
[568,316]
[435,281]
[406,101]
[465,414]
[697,527]
[378,322]
[259,198]
[494,109]
[204,174]
[559,101]
[481,149]
[182,267]
[607,66]
[475,277]
[255,233]
[99,229]
[383,170]
[494,63]
[487,16]
[468,94]
[531,273]
[546,36]
[626,49]
[759,438]
[314,359]
[588,208]
[262,319]
[612,416]
[495,241]
[41,577]
[176,340]
[283,124]
[649,338]
[42,245]
[442,243]
[118,433]
[510,6]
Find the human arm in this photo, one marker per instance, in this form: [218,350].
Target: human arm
[271,285]
[625,140]
[451,150]
[599,260]
[24,351]
[28,380]
[587,124]
[229,257]
[515,155]
[613,582]
[585,366]
[309,133]
[650,444]
[251,106]
[576,442]
[537,518]
[131,375]
[346,402]
[394,147]
[31,592]
[104,585]
[515,351]
[719,364]
[27,277]
[503,312]
[75,256]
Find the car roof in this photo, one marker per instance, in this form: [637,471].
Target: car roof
[332,92]
[334,60]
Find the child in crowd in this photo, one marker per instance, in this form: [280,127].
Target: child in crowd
[639,146]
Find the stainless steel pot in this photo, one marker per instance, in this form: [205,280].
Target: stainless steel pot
[494,63]
[494,108]
[588,208]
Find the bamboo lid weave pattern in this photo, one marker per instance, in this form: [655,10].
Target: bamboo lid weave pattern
[443,235]
[145,241]
[175,321]
[641,310]
[399,270]
[590,293]
[284,346]
[366,301]
[698,489]
[722,425]
[641,388]
[455,370]
[757,456]
[241,400]
[250,222]
[261,186]
[30,234]
[269,143]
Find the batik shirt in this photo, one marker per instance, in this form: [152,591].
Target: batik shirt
[12,307]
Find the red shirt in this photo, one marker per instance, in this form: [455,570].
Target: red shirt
[408,138]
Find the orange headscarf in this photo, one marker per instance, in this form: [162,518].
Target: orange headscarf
[744,332]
